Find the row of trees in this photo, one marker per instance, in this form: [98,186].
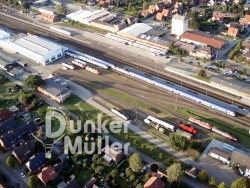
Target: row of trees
[239,183]
[235,51]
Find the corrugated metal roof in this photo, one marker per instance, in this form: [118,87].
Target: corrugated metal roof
[136,29]
[232,83]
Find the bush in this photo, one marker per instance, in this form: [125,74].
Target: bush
[177,141]
[11,161]
[203,176]
[212,181]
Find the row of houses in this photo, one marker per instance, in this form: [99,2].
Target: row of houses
[163,10]
[240,159]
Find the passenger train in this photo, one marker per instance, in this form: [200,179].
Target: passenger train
[192,97]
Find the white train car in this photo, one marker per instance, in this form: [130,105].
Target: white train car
[79,63]
[125,117]
[69,66]
[61,31]
[161,123]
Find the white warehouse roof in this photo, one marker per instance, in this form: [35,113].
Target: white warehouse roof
[136,29]
[36,44]
[85,17]
[4,35]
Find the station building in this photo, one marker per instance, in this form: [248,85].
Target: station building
[152,35]
[36,48]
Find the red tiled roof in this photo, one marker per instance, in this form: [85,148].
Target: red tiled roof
[154,182]
[165,12]
[5,115]
[159,16]
[233,31]
[204,39]
[47,174]
[49,17]
[245,20]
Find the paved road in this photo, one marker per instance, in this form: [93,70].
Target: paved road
[10,174]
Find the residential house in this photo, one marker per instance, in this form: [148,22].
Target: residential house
[233,31]
[14,110]
[112,155]
[90,183]
[192,172]
[247,6]
[57,148]
[154,182]
[159,6]
[5,115]
[23,152]
[71,184]
[36,163]
[7,126]
[203,52]
[145,13]
[243,162]
[49,17]
[178,7]
[152,9]
[163,15]
[47,175]
[60,167]
[220,16]
[15,136]
[245,21]
[220,154]
[198,10]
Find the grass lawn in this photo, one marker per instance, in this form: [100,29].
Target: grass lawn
[83,177]
[70,104]
[10,98]
[128,99]
[145,147]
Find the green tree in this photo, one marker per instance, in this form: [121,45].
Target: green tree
[175,173]
[128,172]
[145,5]
[33,81]
[11,162]
[240,183]
[99,169]
[202,73]
[203,176]
[130,6]
[222,185]
[115,173]
[154,167]
[33,181]
[177,141]
[2,78]
[139,185]
[61,9]
[135,162]
[212,181]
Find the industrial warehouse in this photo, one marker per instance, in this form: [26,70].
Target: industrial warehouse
[36,48]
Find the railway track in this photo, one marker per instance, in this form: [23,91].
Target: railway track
[8,22]
[80,79]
